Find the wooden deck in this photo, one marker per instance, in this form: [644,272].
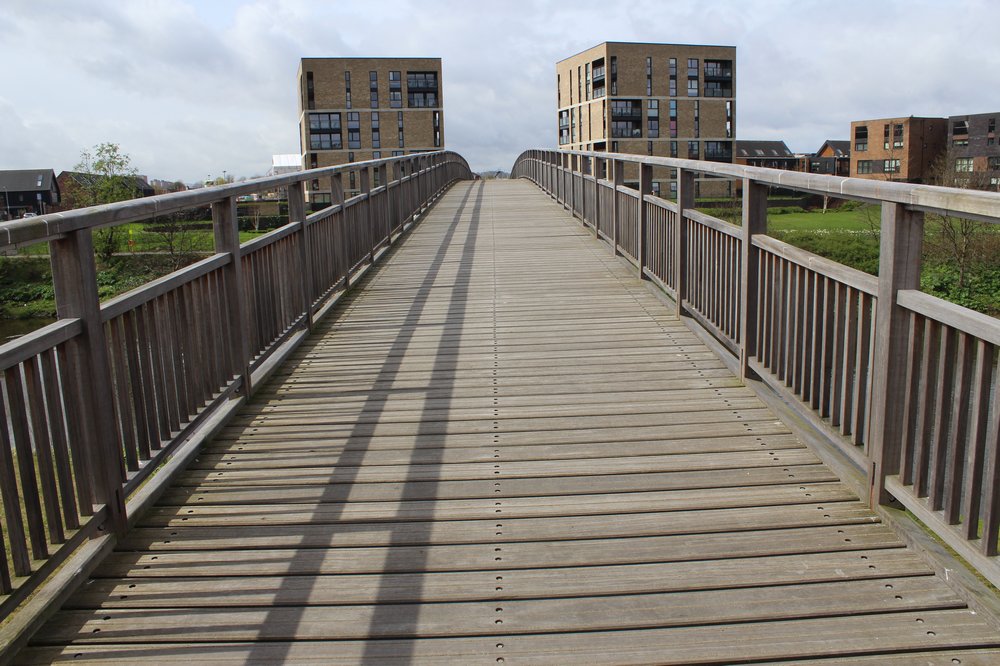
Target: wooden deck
[504,448]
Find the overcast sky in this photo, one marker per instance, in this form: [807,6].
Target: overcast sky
[190,88]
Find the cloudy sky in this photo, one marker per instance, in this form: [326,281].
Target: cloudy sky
[190,88]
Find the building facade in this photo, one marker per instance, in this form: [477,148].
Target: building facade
[766,154]
[973,151]
[900,149]
[668,100]
[833,158]
[33,191]
[355,109]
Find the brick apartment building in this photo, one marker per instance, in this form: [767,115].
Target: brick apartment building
[900,149]
[355,109]
[668,100]
[973,149]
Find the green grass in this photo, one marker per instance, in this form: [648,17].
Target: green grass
[140,237]
[856,220]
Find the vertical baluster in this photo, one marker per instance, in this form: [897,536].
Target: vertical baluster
[848,361]
[18,539]
[83,456]
[943,416]
[122,395]
[138,400]
[685,200]
[911,413]
[25,462]
[42,446]
[60,445]
[963,417]
[979,428]
[925,405]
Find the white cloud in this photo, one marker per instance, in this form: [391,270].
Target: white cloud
[192,88]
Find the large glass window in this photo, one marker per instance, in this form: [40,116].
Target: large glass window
[962,164]
[861,138]
[864,166]
[890,166]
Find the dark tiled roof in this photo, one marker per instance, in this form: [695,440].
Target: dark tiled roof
[839,148]
[27,180]
[754,149]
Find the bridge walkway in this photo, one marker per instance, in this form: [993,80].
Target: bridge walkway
[503,448]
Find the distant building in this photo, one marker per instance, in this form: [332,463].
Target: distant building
[767,154]
[28,191]
[355,109]
[900,149]
[669,100]
[282,164]
[833,159]
[973,148]
[73,183]
[160,186]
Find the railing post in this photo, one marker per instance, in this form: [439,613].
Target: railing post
[74,277]
[586,164]
[901,236]
[337,198]
[297,213]
[366,189]
[602,167]
[564,197]
[754,222]
[685,200]
[394,202]
[645,187]
[617,180]
[227,240]
[383,181]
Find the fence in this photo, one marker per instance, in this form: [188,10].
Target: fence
[905,383]
[96,402]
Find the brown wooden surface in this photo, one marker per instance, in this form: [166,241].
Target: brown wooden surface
[505,449]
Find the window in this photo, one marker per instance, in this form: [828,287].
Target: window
[673,149]
[587,74]
[310,91]
[729,119]
[347,88]
[437,129]
[673,118]
[861,138]
[353,130]
[692,68]
[653,119]
[993,164]
[614,75]
[376,134]
[885,137]
[864,166]
[419,100]
[692,87]
[697,122]
[649,76]
[963,164]
[991,126]
[719,150]
[649,147]
[897,136]
[960,127]
[692,150]
[373,88]
[324,131]
[960,143]
[395,90]
[890,166]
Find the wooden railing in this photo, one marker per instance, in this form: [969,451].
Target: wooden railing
[96,402]
[905,384]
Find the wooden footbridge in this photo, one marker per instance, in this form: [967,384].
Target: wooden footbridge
[456,428]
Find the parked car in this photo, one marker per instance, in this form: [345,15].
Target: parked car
[27,215]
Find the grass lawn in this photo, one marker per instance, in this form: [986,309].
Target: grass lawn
[835,219]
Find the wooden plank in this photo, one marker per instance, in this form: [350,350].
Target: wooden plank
[767,552]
